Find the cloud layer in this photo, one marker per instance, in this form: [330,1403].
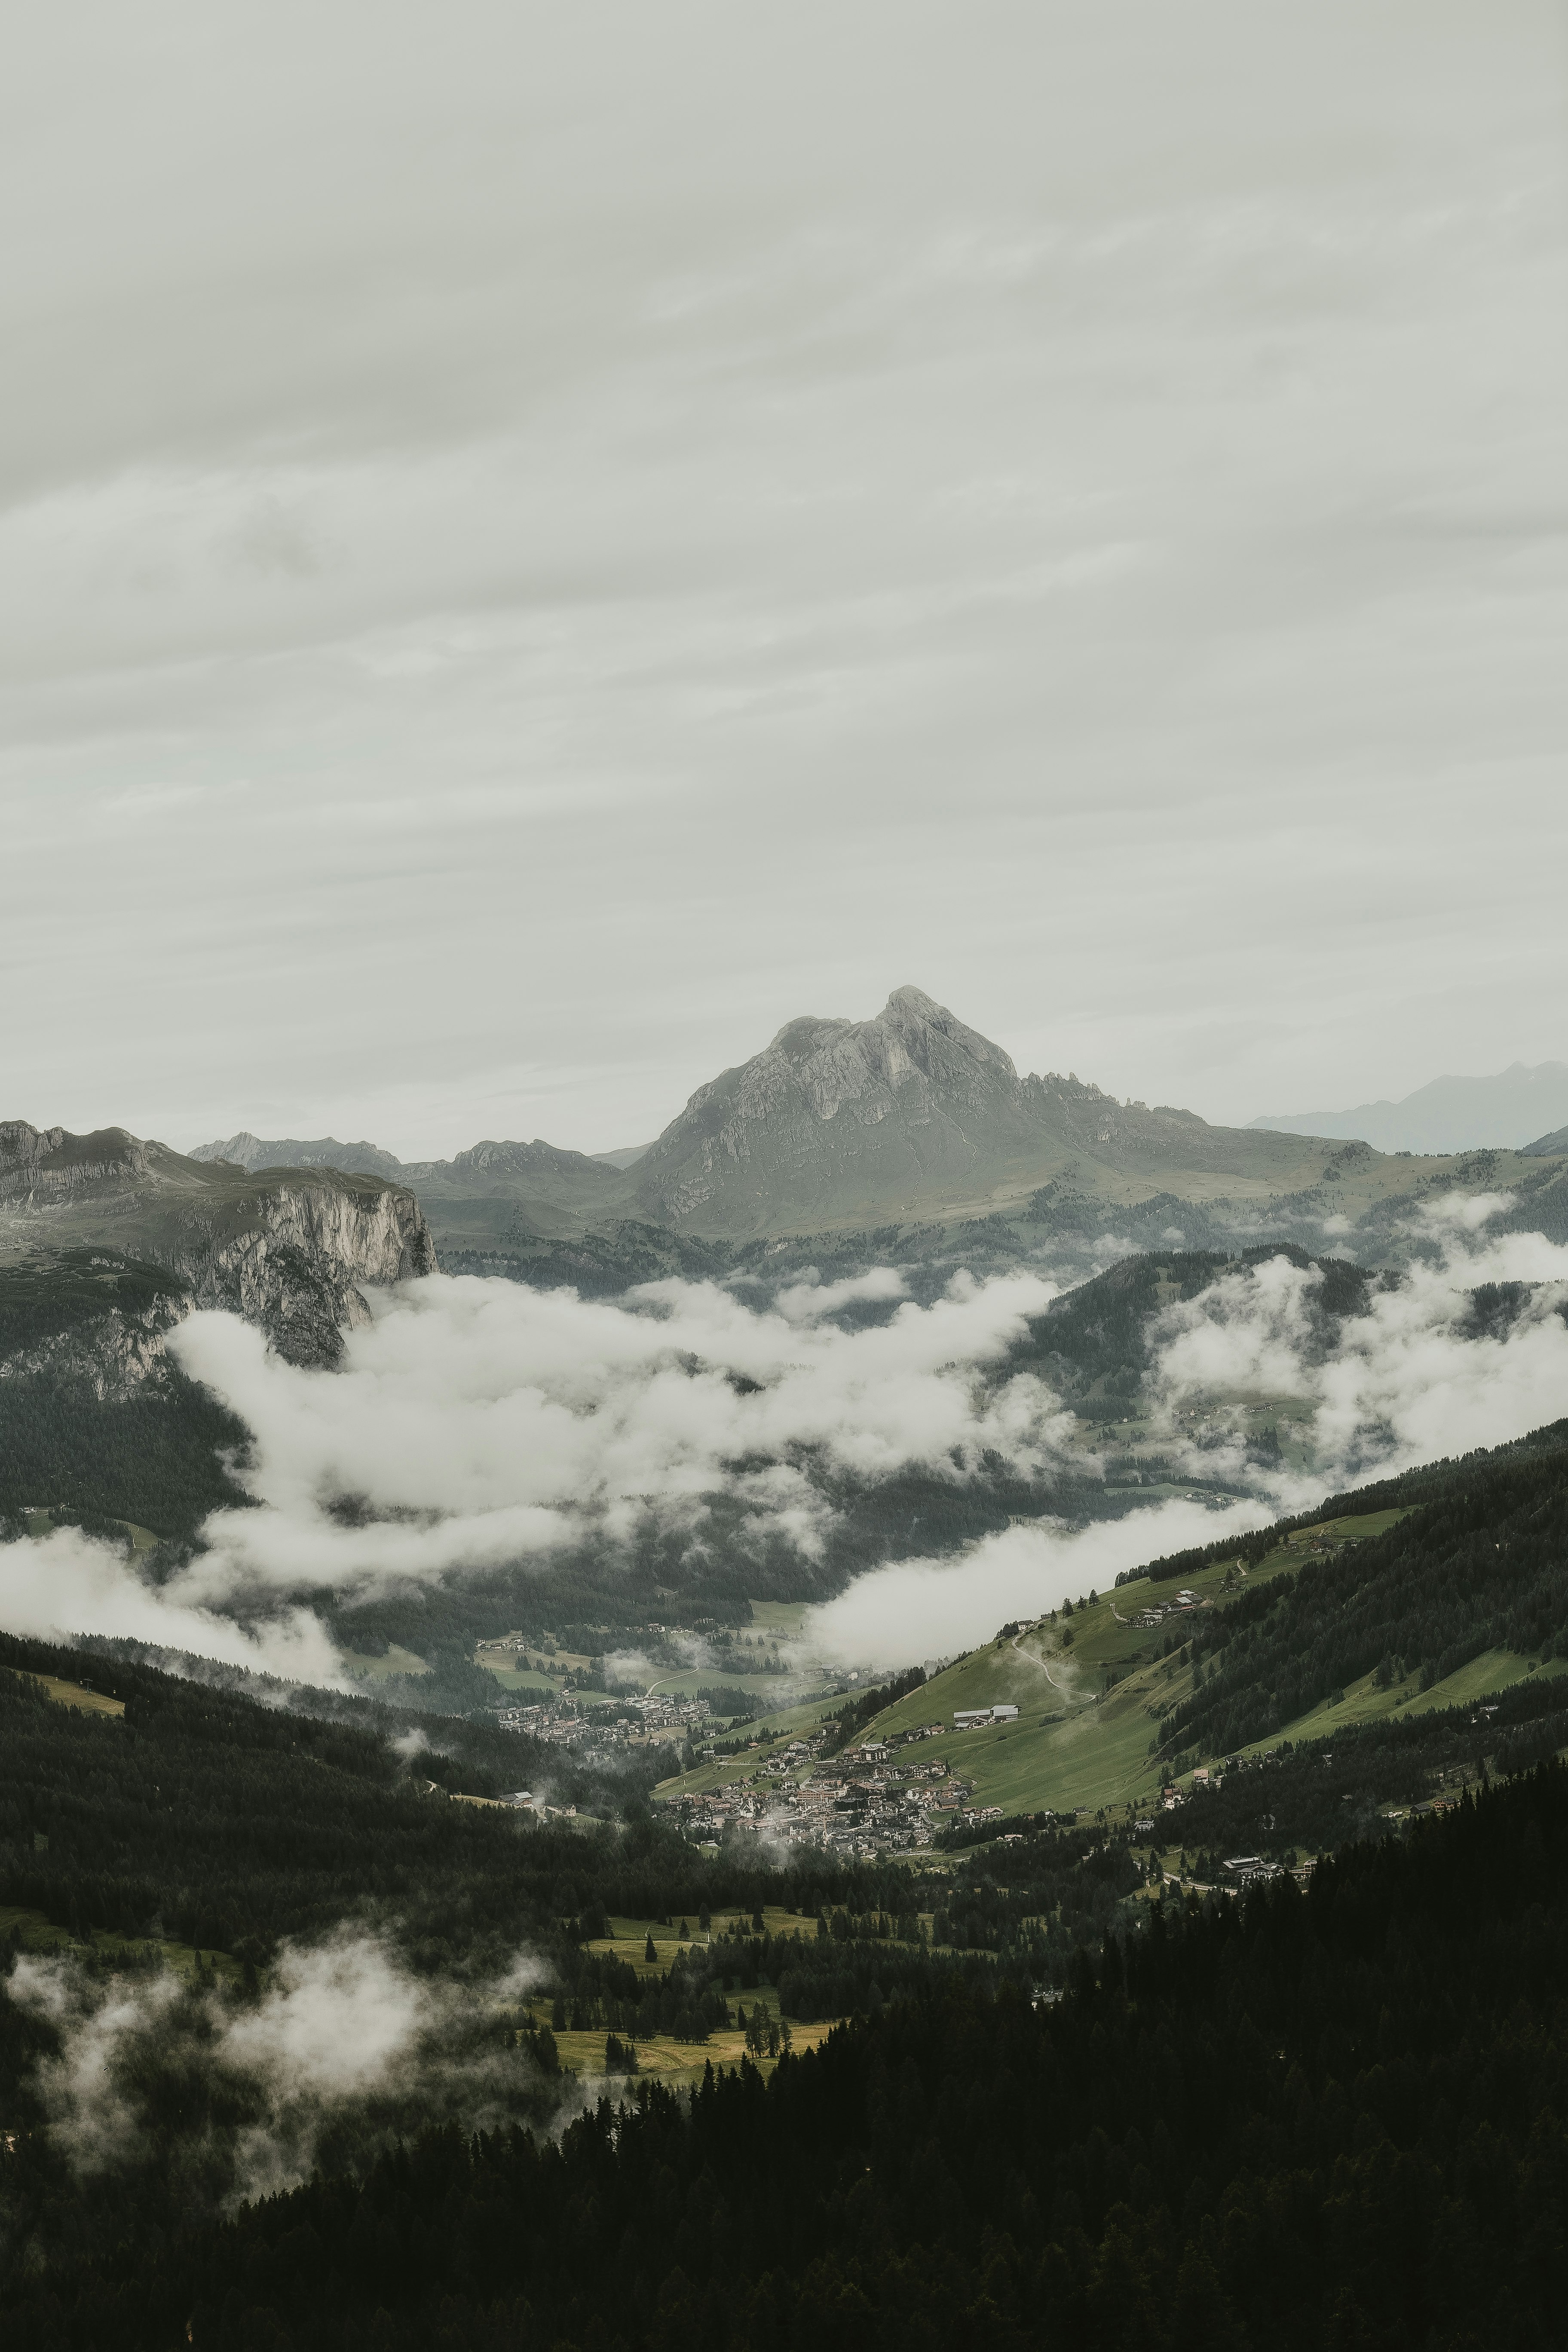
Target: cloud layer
[477,1425]
[1416,1377]
[486,1423]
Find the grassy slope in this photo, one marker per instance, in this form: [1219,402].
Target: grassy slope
[36,1933]
[1078,1746]
[771,1732]
[393,1661]
[1098,1755]
[73,1694]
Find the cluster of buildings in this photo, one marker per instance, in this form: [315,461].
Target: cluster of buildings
[870,1800]
[555,1719]
[1181,1606]
[563,1721]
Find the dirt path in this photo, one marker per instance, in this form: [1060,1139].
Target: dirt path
[1045,1669]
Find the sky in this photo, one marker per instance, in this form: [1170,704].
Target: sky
[539,544]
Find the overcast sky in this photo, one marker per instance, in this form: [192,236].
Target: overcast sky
[538,542]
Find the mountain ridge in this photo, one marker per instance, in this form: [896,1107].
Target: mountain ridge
[909,1118]
[1452,1113]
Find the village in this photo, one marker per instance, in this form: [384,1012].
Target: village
[874,1799]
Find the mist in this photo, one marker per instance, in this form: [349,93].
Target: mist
[346,2045]
[1426,1371]
[1420,1375]
[476,1424]
[66,1584]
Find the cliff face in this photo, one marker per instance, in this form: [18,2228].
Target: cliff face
[290,1252]
[290,1255]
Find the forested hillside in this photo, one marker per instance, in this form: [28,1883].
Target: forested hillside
[1477,1565]
[1334,2118]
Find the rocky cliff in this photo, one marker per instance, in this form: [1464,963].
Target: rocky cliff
[290,1251]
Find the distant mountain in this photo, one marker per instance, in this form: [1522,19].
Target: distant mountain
[847,1127]
[913,1116]
[249,1152]
[1449,1115]
[1547,1147]
[536,1189]
[627,1154]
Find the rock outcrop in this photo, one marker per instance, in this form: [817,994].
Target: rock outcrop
[292,1251]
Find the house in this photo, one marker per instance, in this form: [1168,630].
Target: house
[967,1718]
[1250,1870]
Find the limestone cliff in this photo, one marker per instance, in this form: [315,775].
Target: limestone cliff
[290,1251]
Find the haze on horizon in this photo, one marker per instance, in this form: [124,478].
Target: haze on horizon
[537,546]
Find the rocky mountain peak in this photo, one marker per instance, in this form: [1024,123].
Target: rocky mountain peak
[835,1111]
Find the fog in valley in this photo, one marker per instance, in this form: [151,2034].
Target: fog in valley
[478,1425]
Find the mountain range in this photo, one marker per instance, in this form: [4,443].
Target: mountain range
[1452,1114]
[908,1119]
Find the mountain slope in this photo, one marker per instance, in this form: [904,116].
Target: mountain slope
[913,1115]
[1383,1619]
[1450,1114]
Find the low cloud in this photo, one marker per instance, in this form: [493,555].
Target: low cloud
[1427,1370]
[346,2042]
[475,1424]
[917,1608]
[63,1584]
[1418,1375]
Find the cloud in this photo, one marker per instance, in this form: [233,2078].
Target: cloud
[57,1586]
[477,1425]
[345,2039]
[1413,1378]
[1409,1380]
[480,1422]
[917,1609]
[813,409]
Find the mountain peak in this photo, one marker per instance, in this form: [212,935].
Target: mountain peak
[835,1112]
[912,1014]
